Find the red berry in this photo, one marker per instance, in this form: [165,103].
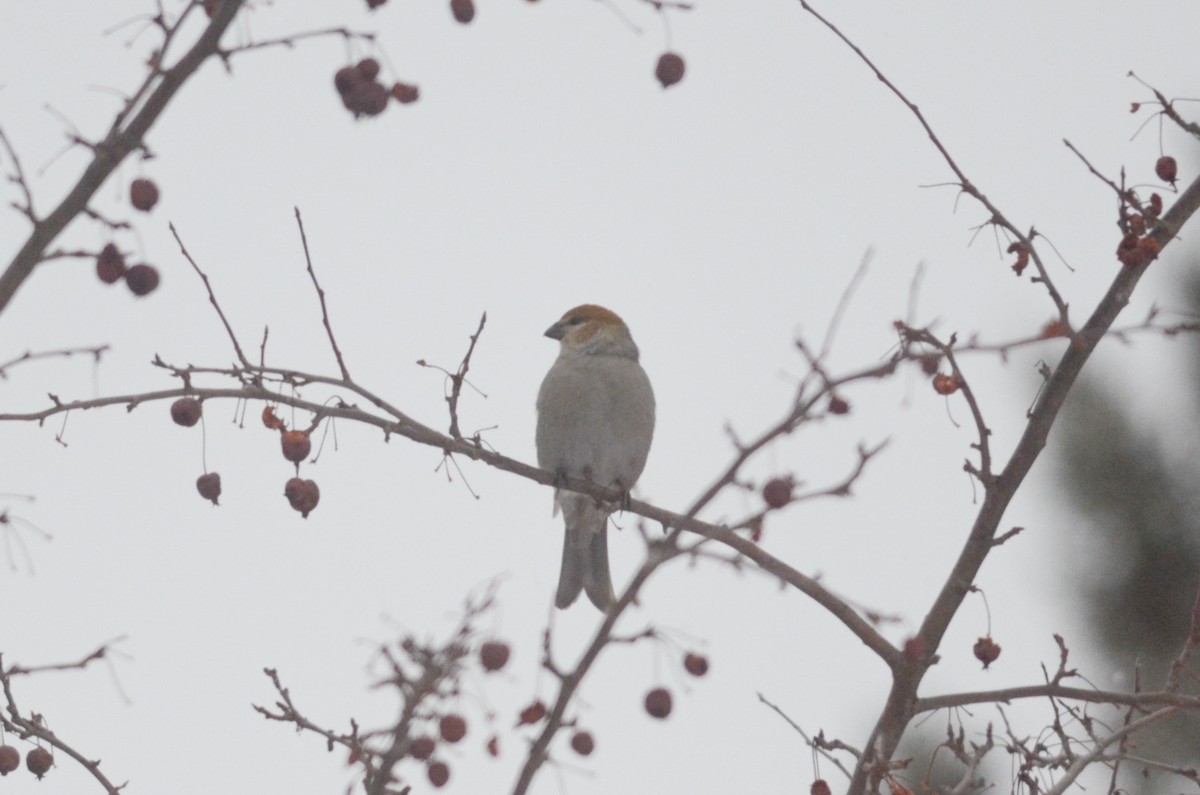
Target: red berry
[110,264]
[463,10]
[658,702]
[1167,169]
[532,714]
[303,495]
[582,743]
[296,445]
[669,70]
[366,98]
[10,759]
[820,787]
[946,383]
[345,79]
[209,486]
[439,774]
[986,650]
[421,747]
[186,411]
[405,93]
[143,194]
[778,492]
[367,68]
[695,664]
[141,279]
[39,761]
[494,655]
[452,728]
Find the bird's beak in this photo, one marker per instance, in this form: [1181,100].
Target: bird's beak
[556,332]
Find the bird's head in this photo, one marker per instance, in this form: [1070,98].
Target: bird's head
[593,329]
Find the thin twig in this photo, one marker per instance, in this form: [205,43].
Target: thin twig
[321,295]
[212,297]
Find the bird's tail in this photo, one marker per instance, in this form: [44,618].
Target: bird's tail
[585,555]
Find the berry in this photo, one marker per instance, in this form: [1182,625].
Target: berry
[10,759]
[110,264]
[141,279]
[493,746]
[669,70]
[366,98]
[532,714]
[405,93]
[296,445]
[778,492]
[439,774]
[209,486]
[494,655]
[820,787]
[914,649]
[838,405]
[211,6]
[658,702]
[695,664]
[422,747]
[271,421]
[945,384]
[463,10]
[374,4]
[452,728]
[186,411]
[1166,168]
[986,650]
[367,68]
[345,79]
[582,743]
[143,194]
[303,495]
[39,761]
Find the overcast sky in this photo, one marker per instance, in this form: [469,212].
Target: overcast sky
[544,167]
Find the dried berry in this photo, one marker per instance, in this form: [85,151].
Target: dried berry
[452,728]
[463,10]
[946,384]
[143,194]
[838,405]
[366,98]
[1167,169]
[10,759]
[930,363]
[302,495]
[367,68]
[439,774]
[270,420]
[405,93]
[374,4]
[1156,206]
[422,747]
[778,492]
[345,79]
[658,702]
[820,787]
[914,649]
[39,761]
[532,714]
[493,746]
[142,279]
[669,70]
[695,664]
[986,650]
[186,411]
[582,743]
[494,655]
[296,445]
[209,486]
[110,264]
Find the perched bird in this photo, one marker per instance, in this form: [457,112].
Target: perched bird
[595,421]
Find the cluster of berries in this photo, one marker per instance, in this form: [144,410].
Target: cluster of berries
[141,279]
[38,760]
[364,95]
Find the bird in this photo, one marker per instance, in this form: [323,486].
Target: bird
[595,421]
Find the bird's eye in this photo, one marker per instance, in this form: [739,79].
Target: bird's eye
[574,321]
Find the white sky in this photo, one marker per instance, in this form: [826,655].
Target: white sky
[544,167]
